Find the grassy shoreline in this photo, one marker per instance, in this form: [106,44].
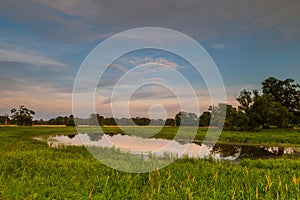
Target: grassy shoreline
[265,137]
[31,170]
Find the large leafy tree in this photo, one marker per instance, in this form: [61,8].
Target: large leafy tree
[170,122]
[96,119]
[70,121]
[245,100]
[141,121]
[285,92]
[2,119]
[22,116]
[223,115]
[186,119]
[204,119]
[267,112]
[218,114]
[110,121]
[278,105]
[272,108]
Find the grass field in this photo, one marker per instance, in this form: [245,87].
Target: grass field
[31,170]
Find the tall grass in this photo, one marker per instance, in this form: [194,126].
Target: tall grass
[31,170]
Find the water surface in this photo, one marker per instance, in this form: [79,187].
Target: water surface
[144,146]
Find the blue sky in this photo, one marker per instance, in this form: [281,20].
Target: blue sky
[44,42]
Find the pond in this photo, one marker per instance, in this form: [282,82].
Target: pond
[143,146]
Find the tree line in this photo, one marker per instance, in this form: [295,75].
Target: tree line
[23,116]
[277,105]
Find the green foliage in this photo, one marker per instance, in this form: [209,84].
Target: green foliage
[170,122]
[186,119]
[245,101]
[204,119]
[4,119]
[59,120]
[70,121]
[270,112]
[39,122]
[110,121]
[218,114]
[22,116]
[278,106]
[242,120]
[141,121]
[66,120]
[285,92]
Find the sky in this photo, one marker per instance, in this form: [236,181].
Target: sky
[43,43]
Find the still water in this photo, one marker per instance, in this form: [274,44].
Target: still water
[143,146]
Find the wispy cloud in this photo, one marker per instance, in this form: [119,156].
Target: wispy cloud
[118,67]
[79,20]
[29,58]
[135,61]
[148,92]
[165,62]
[218,46]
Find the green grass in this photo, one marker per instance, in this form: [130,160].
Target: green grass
[31,170]
[285,137]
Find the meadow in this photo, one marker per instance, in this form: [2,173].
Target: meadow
[280,137]
[29,169]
